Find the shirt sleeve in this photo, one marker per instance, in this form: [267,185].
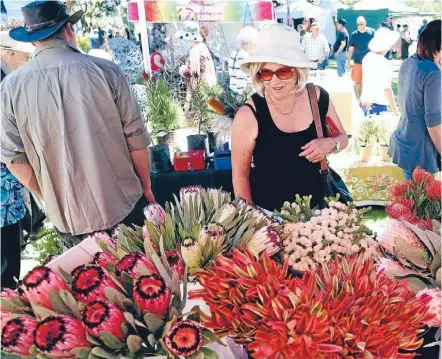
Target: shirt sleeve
[352,40]
[12,147]
[432,93]
[134,129]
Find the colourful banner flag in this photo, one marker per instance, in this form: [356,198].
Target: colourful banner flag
[202,10]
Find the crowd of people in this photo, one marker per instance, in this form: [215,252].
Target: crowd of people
[89,160]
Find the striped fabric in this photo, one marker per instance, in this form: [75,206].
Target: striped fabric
[239,80]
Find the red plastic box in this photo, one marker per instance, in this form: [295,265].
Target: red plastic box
[189,161]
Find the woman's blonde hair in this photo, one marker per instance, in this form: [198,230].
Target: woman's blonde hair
[259,86]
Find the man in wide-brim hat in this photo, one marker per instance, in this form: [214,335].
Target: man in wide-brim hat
[71,130]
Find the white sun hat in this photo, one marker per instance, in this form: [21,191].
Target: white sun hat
[278,44]
[383,40]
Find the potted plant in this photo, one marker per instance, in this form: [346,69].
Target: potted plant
[383,134]
[163,112]
[367,135]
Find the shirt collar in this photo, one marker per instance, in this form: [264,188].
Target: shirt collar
[53,44]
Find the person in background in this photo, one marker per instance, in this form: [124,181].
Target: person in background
[306,24]
[315,46]
[247,41]
[100,40]
[302,33]
[405,42]
[358,48]
[88,160]
[276,126]
[417,139]
[377,74]
[424,24]
[12,214]
[397,54]
[388,23]
[340,46]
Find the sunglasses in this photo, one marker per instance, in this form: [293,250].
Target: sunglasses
[361,24]
[283,73]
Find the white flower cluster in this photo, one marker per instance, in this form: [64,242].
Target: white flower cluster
[333,231]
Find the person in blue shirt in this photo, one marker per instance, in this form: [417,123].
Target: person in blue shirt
[12,213]
[340,46]
[421,29]
[417,139]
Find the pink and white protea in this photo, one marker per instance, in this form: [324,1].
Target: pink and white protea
[435,305]
[260,215]
[396,229]
[214,233]
[100,316]
[132,262]
[191,192]
[266,239]
[18,335]
[226,211]
[56,336]
[101,259]
[89,284]
[155,214]
[38,283]
[218,196]
[102,236]
[389,267]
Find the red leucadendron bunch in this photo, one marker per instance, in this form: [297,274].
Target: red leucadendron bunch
[344,311]
[416,201]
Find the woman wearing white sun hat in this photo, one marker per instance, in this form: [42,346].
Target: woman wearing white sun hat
[276,126]
[377,94]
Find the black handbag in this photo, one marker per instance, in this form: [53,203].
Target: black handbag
[331,182]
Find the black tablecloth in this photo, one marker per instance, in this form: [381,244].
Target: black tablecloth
[165,185]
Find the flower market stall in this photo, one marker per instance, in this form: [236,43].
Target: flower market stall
[207,272]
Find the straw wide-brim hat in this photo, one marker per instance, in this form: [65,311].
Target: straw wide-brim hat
[278,44]
[383,40]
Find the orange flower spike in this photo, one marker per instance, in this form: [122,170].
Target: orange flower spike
[216,105]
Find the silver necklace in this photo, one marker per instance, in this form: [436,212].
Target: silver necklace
[277,108]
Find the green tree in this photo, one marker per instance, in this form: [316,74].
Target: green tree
[427,6]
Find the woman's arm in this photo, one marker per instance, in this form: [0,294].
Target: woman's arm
[244,133]
[432,107]
[316,150]
[435,134]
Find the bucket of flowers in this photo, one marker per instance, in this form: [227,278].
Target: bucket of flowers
[342,310]
[121,305]
[312,238]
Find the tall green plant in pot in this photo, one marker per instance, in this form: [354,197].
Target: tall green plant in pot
[367,137]
[164,113]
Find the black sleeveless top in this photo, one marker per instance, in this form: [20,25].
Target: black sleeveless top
[279,172]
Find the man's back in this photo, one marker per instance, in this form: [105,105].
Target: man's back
[72,117]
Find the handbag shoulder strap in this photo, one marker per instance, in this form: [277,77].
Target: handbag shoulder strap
[317,119]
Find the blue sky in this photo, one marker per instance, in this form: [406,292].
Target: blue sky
[13,7]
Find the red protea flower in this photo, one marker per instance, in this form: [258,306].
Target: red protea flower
[433,189]
[101,316]
[400,189]
[101,259]
[18,335]
[89,284]
[420,175]
[184,339]
[130,262]
[39,282]
[56,336]
[435,305]
[152,295]
[175,262]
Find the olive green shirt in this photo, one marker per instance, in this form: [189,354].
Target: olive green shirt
[73,118]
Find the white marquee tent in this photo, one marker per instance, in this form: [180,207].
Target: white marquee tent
[394,6]
[303,9]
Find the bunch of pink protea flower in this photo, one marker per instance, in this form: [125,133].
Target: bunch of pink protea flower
[117,305]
